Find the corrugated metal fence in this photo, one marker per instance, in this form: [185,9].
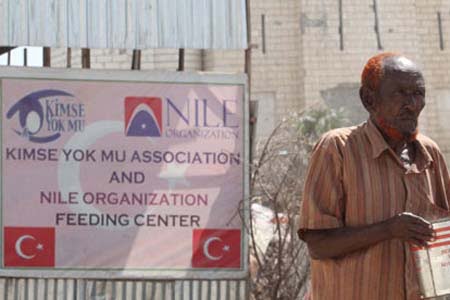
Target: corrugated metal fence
[71,289]
[124,24]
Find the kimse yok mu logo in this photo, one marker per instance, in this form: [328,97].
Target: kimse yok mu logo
[45,114]
[181,118]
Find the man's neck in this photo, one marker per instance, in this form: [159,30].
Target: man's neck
[397,145]
[396,141]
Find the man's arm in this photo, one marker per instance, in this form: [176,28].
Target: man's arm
[331,243]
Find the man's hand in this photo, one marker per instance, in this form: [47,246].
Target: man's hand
[335,242]
[410,228]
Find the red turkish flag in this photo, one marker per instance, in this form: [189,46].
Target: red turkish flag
[216,248]
[29,247]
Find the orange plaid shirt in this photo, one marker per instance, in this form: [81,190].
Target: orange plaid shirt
[355,179]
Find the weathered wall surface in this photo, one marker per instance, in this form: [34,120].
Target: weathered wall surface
[311,52]
[436,62]
[333,63]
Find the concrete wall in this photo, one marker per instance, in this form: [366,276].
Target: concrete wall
[151,59]
[277,65]
[332,74]
[300,59]
[436,68]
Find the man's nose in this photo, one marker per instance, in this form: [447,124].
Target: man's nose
[412,100]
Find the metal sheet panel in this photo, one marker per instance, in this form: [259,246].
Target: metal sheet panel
[80,289]
[125,24]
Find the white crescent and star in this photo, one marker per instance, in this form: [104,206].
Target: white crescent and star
[206,248]
[19,250]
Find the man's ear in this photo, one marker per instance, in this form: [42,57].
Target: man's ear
[368,98]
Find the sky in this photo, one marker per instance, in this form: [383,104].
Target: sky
[34,57]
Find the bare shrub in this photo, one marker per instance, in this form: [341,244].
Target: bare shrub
[280,270]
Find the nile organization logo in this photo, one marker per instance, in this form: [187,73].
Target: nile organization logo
[143,116]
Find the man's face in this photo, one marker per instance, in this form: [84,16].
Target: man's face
[400,99]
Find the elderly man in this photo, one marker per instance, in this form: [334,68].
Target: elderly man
[372,189]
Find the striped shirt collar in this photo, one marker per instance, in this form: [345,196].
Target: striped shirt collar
[379,144]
